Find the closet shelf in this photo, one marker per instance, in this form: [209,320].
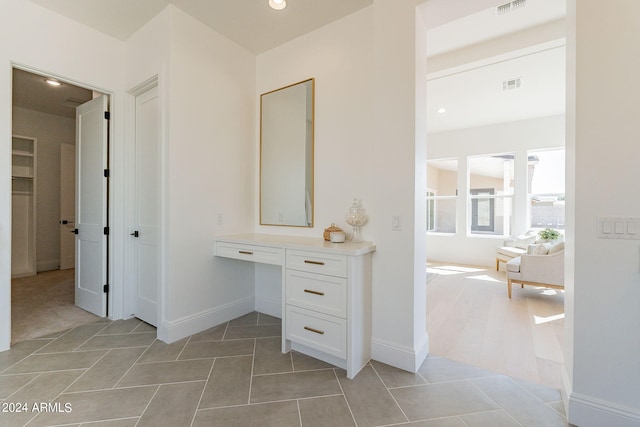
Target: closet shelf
[22,153]
[25,177]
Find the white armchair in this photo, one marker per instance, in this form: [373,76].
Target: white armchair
[540,269]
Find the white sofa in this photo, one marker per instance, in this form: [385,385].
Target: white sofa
[542,265]
[513,248]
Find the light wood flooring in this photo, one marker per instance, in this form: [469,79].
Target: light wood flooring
[470,319]
[43,304]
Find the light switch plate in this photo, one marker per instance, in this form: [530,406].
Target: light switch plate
[623,228]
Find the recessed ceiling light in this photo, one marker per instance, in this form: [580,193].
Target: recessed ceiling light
[53,82]
[278,4]
[441,110]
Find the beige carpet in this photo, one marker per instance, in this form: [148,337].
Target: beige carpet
[44,304]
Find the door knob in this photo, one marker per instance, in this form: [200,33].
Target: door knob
[135,234]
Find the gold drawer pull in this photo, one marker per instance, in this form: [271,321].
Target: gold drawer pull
[245,252]
[309,291]
[307,261]
[317,331]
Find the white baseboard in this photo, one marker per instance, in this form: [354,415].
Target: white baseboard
[566,388]
[48,265]
[406,358]
[587,411]
[177,329]
[272,307]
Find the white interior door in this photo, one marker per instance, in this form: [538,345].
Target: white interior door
[147,205]
[91,205]
[67,206]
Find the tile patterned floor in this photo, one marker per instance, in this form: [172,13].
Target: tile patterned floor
[116,374]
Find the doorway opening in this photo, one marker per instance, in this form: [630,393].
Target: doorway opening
[44,201]
[496,103]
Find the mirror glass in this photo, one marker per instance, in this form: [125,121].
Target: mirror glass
[286,155]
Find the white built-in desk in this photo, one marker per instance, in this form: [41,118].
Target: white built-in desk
[326,293]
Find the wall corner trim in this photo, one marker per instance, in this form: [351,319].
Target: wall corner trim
[406,358]
[588,411]
[173,331]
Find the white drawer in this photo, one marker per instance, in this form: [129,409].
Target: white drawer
[326,294]
[254,253]
[317,262]
[319,331]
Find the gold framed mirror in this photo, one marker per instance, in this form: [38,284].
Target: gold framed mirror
[286,155]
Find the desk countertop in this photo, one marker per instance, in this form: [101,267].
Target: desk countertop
[300,243]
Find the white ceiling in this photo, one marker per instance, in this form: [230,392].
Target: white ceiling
[527,43]
[30,91]
[250,23]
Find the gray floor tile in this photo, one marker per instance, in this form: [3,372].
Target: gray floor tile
[544,393]
[270,388]
[99,405]
[121,327]
[41,390]
[208,349]
[20,351]
[369,400]
[108,371]
[229,382]
[144,327]
[254,331]
[440,422]
[56,362]
[72,339]
[9,384]
[126,422]
[213,334]
[558,407]
[269,358]
[494,419]
[173,405]
[265,319]
[302,362]
[280,414]
[220,372]
[325,412]
[119,341]
[163,352]
[394,377]
[438,369]
[527,409]
[441,400]
[166,372]
[246,320]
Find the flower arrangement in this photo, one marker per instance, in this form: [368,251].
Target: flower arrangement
[549,234]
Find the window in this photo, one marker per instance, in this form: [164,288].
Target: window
[442,184]
[546,189]
[491,194]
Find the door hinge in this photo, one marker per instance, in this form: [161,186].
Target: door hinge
[106,231]
[105,288]
[76,231]
[107,115]
[107,173]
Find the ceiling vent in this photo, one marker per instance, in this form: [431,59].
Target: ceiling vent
[512,84]
[511,6]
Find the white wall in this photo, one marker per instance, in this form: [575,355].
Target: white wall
[603,288]
[515,137]
[51,131]
[63,48]
[207,89]
[209,164]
